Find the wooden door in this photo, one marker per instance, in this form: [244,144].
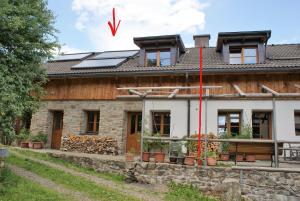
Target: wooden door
[57,129]
[134,128]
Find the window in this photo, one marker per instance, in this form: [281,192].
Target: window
[229,122]
[297,123]
[93,118]
[261,125]
[135,122]
[240,55]
[161,123]
[158,58]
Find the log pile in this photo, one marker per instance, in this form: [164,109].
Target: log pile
[211,146]
[90,144]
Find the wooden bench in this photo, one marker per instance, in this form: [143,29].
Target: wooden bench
[262,151]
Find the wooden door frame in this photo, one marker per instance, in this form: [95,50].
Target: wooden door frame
[128,128]
[270,136]
[62,122]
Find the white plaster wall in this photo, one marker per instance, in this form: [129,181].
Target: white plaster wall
[178,112]
[285,125]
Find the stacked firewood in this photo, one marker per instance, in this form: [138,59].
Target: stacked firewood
[211,146]
[90,144]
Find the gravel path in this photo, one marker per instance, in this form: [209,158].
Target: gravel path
[140,191]
[49,184]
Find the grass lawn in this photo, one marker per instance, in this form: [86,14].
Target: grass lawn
[15,188]
[43,156]
[69,181]
[181,192]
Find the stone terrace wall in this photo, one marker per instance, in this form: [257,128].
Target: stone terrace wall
[256,185]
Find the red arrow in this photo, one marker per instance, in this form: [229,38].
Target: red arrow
[113,27]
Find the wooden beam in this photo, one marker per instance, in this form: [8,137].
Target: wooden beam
[297,86]
[275,93]
[173,94]
[238,89]
[147,92]
[131,91]
[168,87]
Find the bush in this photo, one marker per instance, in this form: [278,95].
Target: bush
[40,137]
[23,135]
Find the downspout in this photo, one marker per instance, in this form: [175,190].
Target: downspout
[188,117]
[275,132]
[143,128]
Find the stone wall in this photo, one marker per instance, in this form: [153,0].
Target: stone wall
[255,184]
[112,117]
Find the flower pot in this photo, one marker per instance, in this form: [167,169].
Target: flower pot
[159,157]
[129,157]
[24,144]
[180,160]
[146,156]
[211,161]
[224,157]
[173,159]
[37,145]
[189,160]
[239,158]
[250,158]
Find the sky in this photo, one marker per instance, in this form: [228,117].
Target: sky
[82,24]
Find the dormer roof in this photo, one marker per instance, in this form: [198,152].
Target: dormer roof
[160,41]
[242,37]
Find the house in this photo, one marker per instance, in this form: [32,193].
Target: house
[246,82]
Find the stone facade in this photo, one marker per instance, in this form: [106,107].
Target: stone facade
[112,117]
[269,184]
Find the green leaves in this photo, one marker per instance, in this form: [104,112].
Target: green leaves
[27,38]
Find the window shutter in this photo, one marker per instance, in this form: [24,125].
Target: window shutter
[142,57]
[261,53]
[173,52]
[225,52]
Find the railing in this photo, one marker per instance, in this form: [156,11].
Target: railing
[236,142]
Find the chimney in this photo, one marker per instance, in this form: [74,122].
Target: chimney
[201,40]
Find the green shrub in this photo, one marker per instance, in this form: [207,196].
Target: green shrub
[23,135]
[40,137]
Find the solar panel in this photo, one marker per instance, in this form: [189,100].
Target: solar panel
[95,63]
[66,57]
[116,54]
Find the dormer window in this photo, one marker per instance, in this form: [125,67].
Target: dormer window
[158,58]
[243,55]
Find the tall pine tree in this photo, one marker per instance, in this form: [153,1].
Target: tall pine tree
[27,39]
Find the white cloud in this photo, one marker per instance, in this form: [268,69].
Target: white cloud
[66,50]
[138,18]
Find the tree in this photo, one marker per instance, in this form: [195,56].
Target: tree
[27,39]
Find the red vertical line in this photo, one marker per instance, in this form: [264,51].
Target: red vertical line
[114,20]
[200,105]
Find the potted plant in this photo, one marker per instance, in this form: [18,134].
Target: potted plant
[192,149]
[246,133]
[130,155]
[146,152]
[38,141]
[23,138]
[158,144]
[211,158]
[224,155]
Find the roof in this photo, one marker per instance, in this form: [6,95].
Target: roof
[280,58]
